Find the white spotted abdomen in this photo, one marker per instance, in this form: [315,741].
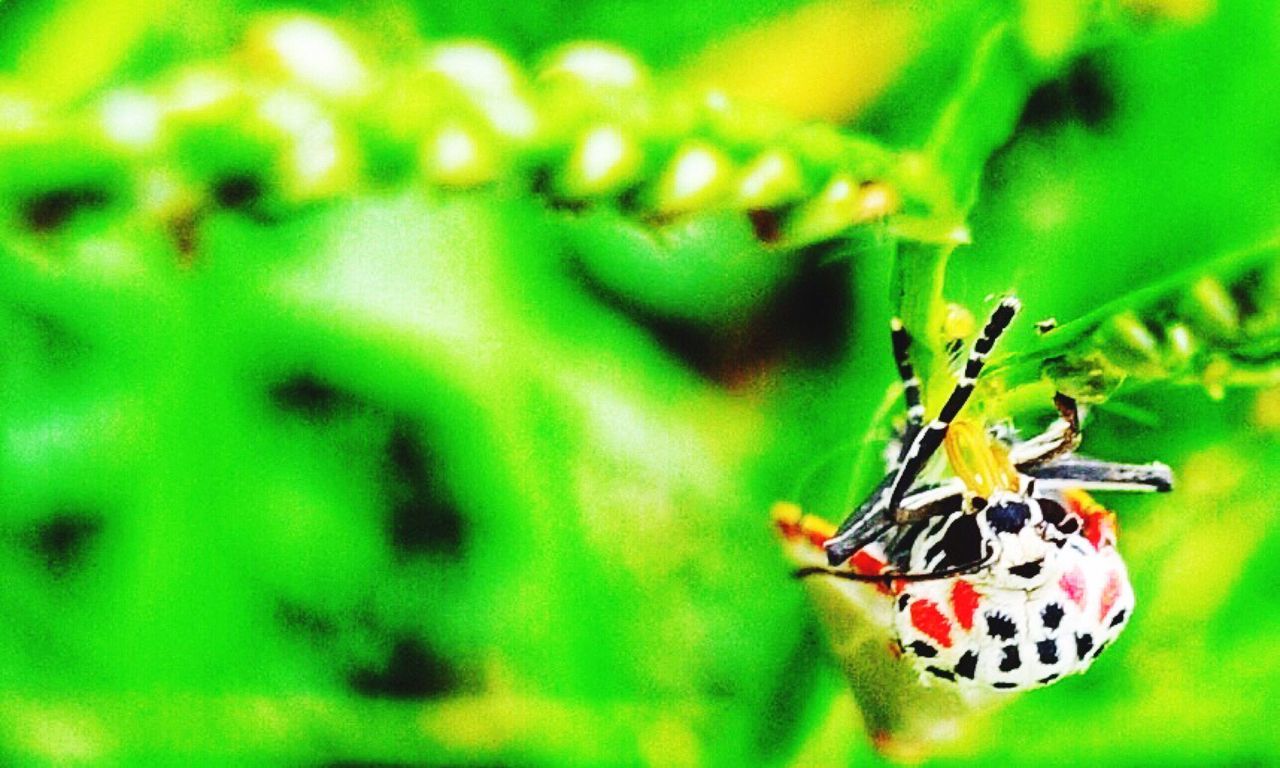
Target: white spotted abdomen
[1000,628]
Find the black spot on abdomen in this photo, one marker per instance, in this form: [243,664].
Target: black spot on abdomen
[942,673]
[1000,627]
[1010,660]
[1051,615]
[1027,570]
[1047,650]
[1084,643]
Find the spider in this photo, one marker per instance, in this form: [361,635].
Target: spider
[1006,574]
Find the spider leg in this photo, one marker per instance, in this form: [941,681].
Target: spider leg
[887,578]
[1094,475]
[930,438]
[1062,436]
[932,501]
[869,522]
[873,517]
[861,527]
[910,383]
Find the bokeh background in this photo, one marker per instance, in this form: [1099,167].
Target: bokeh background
[321,446]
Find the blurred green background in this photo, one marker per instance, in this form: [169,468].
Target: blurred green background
[350,418]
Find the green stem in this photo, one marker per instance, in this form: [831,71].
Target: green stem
[982,114]
[1070,334]
[976,121]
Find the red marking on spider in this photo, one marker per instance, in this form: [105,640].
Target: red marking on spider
[1110,593]
[789,530]
[866,563]
[1072,583]
[964,601]
[797,530]
[1100,528]
[926,617]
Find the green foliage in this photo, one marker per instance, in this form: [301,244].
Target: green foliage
[422,402]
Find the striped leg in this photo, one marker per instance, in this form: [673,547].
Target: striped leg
[864,525]
[930,438]
[910,383]
[869,520]
[1094,475]
[889,577]
[877,514]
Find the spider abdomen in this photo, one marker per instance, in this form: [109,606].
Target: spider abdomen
[1046,607]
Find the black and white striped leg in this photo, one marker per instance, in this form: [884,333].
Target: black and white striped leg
[870,522]
[1094,475]
[930,438]
[861,527]
[870,519]
[932,501]
[910,383]
[891,576]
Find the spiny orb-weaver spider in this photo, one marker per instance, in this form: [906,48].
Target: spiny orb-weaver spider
[1004,575]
